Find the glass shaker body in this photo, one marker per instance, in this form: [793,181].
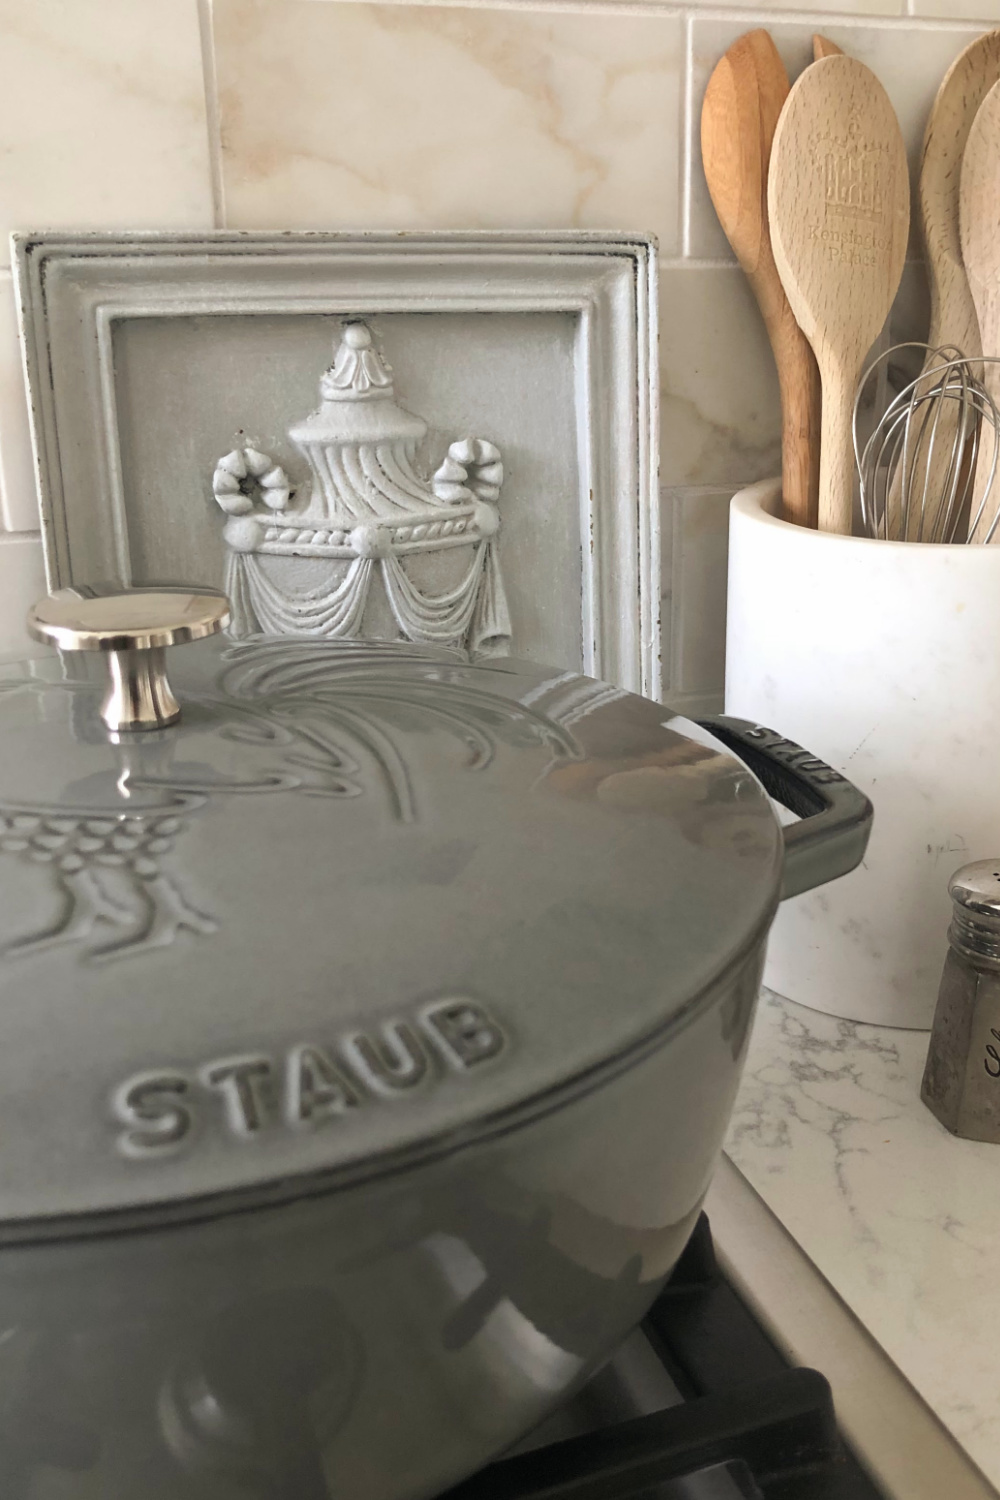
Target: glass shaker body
[961,1083]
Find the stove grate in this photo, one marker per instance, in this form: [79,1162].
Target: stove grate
[748,1425]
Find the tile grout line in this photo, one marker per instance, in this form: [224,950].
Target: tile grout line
[749,16]
[213,122]
[695,263]
[767,16]
[687,136]
[726,263]
[6,288]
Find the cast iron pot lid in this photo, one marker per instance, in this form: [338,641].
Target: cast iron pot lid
[359,903]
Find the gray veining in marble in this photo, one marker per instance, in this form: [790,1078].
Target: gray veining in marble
[901,1217]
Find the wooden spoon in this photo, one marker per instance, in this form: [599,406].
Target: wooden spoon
[965,86]
[839,204]
[823,47]
[742,103]
[979,214]
[953,312]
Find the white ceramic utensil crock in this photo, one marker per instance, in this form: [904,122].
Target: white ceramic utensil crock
[884,657]
[369,1029]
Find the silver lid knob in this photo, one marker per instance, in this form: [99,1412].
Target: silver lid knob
[134,627]
[975,926]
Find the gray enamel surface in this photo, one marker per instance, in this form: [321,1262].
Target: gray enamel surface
[332,839]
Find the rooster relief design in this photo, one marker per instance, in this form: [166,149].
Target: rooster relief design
[109,872]
[319,719]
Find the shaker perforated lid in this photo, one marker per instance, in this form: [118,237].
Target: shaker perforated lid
[360,902]
[977,887]
[975,923]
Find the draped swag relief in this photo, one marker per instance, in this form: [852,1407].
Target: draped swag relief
[308,562]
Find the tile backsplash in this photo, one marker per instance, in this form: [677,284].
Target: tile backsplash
[331,114]
[448,117]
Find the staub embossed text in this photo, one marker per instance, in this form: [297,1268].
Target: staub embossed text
[312,1084]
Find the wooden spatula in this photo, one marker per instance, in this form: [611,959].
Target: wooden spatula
[839,207]
[738,117]
[979,214]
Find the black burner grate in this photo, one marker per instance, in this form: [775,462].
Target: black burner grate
[770,1429]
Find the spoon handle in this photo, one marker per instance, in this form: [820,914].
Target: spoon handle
[798,376]
[987,299]
[836,453]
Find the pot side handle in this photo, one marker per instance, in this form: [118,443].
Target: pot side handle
[835,817]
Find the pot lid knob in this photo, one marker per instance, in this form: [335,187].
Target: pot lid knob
[134,627]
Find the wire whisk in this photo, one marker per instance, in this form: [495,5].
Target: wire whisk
[927,470]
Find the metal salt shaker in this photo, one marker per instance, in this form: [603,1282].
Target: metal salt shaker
[962,1076]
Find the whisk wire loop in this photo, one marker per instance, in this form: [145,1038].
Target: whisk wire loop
[919,467]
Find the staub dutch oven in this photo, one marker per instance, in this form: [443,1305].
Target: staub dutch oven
[369,1029]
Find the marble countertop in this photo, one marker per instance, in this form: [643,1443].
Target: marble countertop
[900,1217]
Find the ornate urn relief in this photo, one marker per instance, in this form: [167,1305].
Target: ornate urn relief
[366,546]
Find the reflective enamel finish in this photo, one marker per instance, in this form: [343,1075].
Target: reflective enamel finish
[367,1043]
[359,902]
[388,1338]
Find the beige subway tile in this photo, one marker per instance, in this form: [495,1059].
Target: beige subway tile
[356,116]
[18,496]
[700,554]
[960,10]
[720,417]
[102,116]
[22,581]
